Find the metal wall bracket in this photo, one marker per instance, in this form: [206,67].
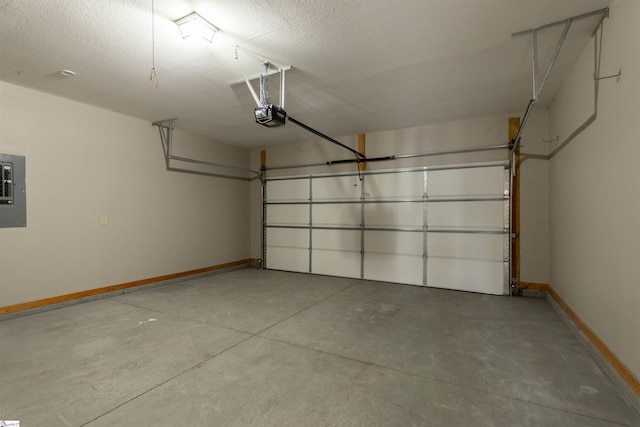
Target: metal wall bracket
[617,76]
[538,84]
[165,127]
[166,137]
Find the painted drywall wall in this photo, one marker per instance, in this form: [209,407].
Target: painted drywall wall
[462,134]
[84,163]
[576,98]
[534,199]
[594,203]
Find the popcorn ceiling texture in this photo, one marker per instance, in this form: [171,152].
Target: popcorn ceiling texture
[359,66]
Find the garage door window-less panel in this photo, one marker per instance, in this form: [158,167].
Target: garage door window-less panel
[445,226]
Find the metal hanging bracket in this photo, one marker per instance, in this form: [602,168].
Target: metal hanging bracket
[617,76]
[538,84]
[166,137]
[165,127]
[270,70]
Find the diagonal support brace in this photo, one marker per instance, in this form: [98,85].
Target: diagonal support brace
[538,85]
[165,127]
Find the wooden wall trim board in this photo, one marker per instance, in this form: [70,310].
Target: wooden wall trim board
[537,286]
[362,148]
[632,381]
[93,292]
[622,370]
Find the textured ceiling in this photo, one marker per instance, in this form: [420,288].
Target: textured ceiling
[358,65]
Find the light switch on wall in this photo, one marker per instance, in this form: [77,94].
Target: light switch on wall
[104,220]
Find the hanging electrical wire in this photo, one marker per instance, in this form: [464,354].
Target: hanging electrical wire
[153,77]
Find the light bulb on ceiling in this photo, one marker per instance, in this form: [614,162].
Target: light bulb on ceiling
[195,29]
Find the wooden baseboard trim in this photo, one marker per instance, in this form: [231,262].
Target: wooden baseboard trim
[92,292]
[620,368]
[537,286]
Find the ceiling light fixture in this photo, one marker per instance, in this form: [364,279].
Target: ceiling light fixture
[195,29]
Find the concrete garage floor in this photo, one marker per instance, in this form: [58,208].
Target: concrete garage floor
[267,348]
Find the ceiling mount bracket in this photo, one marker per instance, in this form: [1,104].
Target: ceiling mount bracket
[538,84]
[266,113]
[270,69]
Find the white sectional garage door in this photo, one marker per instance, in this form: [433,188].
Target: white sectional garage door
[445,227]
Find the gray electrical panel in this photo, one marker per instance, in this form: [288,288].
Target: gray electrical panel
[13,194]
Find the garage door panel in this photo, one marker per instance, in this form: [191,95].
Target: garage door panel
[466,274]
[288,214]
[466,245]
[386,235]
[466,214]
[345,240]
[394,268]
[336,263]
[288,249]
[346,214]
[336,188]
[393,242]
[484,181]
[288,259]
[393,214]
[288,237]
[336,253]
[288,190]
[395,185]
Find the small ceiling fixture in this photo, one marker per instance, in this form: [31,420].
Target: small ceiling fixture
[195,29]
[67,73]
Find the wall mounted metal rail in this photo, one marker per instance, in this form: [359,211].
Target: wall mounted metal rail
[538,84]
[166,137]
[396,157]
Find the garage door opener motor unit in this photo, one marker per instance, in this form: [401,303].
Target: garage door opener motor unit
[270,115]
[266,113]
